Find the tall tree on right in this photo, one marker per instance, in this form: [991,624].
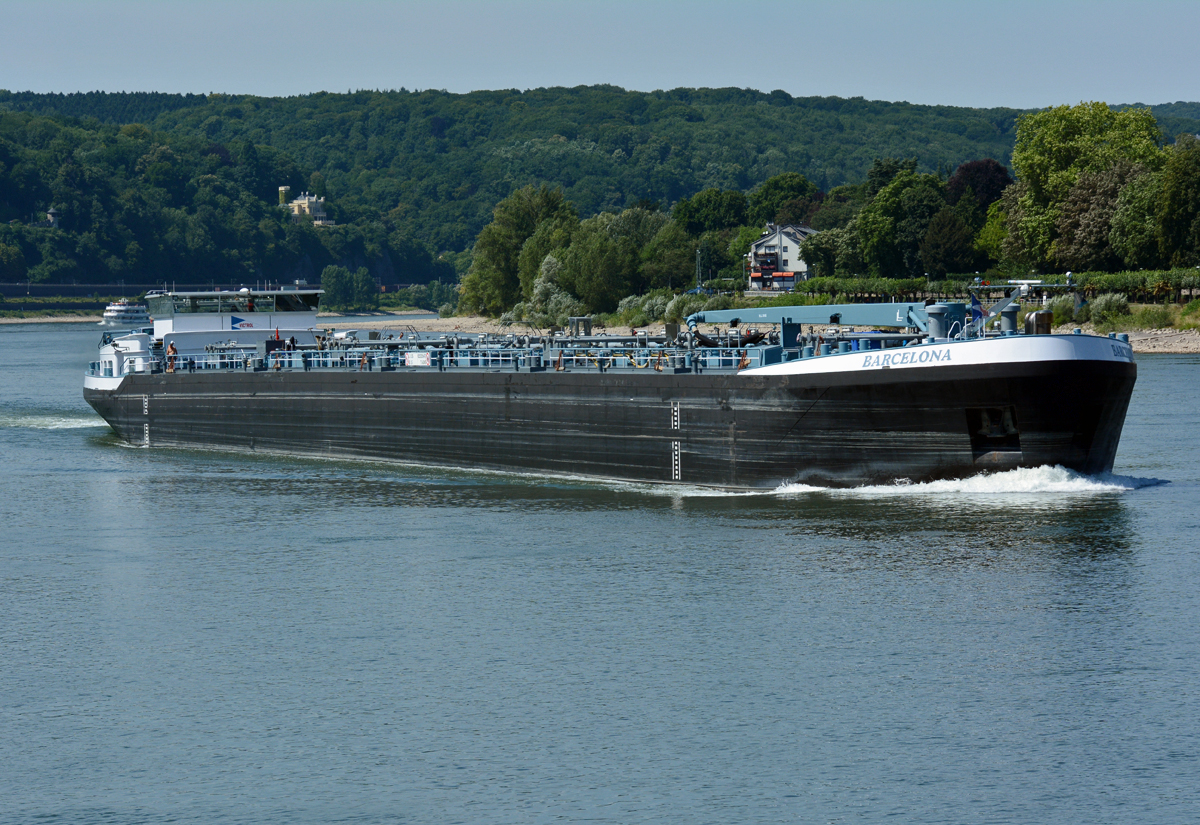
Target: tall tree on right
[1054,147]
[1179,204]
[1085,220]
[1134,230]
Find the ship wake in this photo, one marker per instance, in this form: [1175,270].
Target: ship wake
[1022,482]
[50,422]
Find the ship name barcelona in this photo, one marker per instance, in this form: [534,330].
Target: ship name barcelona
[935,356]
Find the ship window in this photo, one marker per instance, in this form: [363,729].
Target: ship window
[187,305]
[164,306]
[241,302]
[160,306]
[296,302]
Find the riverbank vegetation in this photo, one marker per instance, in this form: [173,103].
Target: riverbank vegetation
[550,202]
[1078,201]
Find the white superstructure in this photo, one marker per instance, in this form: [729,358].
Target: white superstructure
[124,314]
[191,323]
[193,320]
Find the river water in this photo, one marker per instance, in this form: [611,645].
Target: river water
[200,637]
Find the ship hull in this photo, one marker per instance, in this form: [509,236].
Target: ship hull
[727,430]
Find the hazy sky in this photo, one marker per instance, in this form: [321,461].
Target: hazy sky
[965,52]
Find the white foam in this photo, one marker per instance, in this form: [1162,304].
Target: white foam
[51,422]
[1026,481]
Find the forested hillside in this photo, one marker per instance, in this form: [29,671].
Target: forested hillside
[440,162]
[190,191]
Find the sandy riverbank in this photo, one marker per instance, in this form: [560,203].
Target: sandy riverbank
[1178,341]
[472,324]
[54,319]
[432,323]
[1145,340]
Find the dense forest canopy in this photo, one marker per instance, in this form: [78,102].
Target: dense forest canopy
[440,162]
[152,186]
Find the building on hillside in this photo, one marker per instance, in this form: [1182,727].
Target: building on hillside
[305,206]
[774,260]
[51,221]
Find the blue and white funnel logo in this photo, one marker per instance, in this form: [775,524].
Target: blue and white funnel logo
[239,323]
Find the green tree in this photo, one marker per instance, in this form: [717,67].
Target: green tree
[1179,206]
[799,211]
[715,258]
[767,200]
[1054,147]
[364,289]
[948,245]
[1016,250]
[989,241]
[605,260]
[669,259]
[493,283]
[743,238]
[12,263]
[1085,218]
[1134,232]
[851,259]
[339,287]
[552,235]
[819,251]
[892,226]
[600,266]
[838,207]
[884,170]
[711,210]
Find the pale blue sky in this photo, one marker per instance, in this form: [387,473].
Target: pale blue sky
[983,53]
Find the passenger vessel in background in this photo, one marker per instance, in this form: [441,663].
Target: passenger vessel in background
[829,395]
[122,313]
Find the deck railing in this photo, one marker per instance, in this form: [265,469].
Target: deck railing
[524,358]
[482,358]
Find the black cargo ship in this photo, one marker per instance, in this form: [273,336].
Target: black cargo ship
[788,401]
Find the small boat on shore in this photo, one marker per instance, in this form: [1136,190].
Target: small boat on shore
[122,313]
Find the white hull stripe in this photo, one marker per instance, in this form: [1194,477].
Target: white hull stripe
[1017,349]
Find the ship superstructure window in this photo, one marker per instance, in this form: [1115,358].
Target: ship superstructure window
[165,306]
[296,302]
